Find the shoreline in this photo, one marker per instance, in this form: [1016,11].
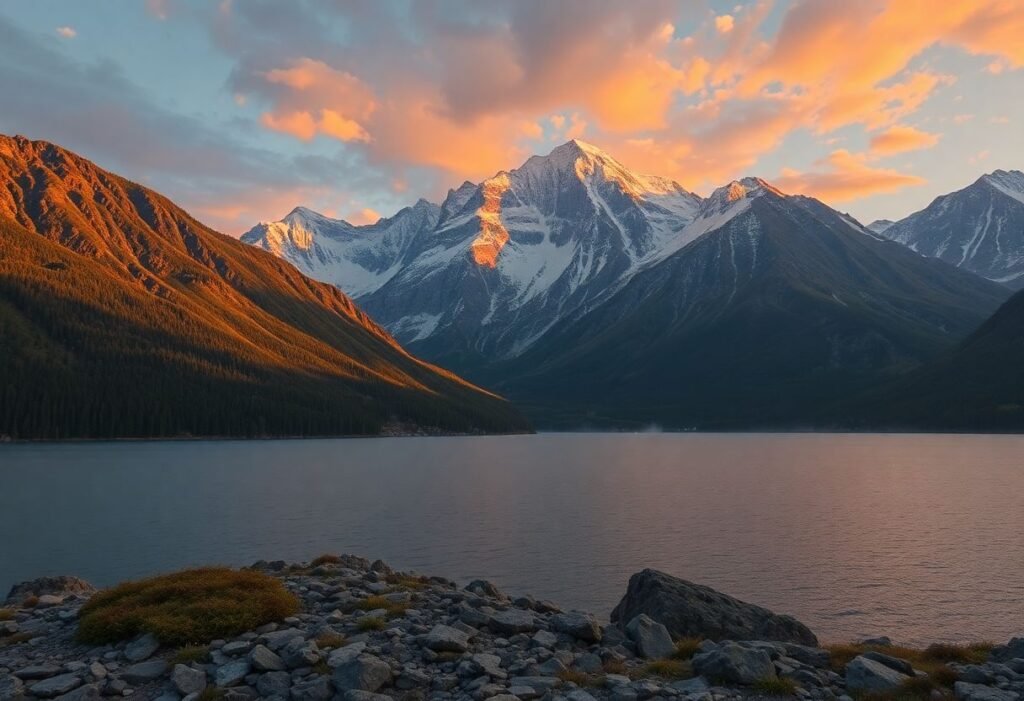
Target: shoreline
[365,632]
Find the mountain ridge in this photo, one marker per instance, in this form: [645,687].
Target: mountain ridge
[227,340]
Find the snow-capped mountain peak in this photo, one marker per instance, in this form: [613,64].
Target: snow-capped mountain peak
[1009,182]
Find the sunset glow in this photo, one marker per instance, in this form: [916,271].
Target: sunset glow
[370,106]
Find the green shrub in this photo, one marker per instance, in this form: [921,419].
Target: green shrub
[189,654]
[186,608]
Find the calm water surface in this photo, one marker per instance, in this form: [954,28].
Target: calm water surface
[916,537]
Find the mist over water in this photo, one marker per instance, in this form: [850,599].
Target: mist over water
[912,536]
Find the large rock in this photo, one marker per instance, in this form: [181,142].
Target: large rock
[652,639]
[56,586]
[691,610]
[364,673]
[316,689]
[187,680]
[144,671]
[865,674]
[579,625]
[513,621]
[734,663]
[264,660]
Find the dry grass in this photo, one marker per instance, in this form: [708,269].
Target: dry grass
[914,689]
[325,559]
[575,676]
[330,640]
[211,693]
[15,639]
[776,686]
[932,660]
[975,653]
[367,623]
[322,668]
[188,654]
[687,648]
[6,614]
[615,667]
[404,581]
[30,602]
[393,609]
[667,669]
[185,608]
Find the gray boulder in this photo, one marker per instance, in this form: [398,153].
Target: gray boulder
[976,692]
[442,638]
[89,692]
[300,653]
[1013,650]
[581,626]
[187,680]
[901,666]
[142,648]
[734,663]
[865,674]
[144,671]
[652,639]
[55,686]
[274,684]
[315,689]
[482,587]
[691,610]
[364,673]
[232,673]
[265,660]
[11,687]
[513,621]
[356,695]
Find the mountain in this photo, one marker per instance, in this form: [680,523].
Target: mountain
[121,315]
[332,249]
[510,257]
[978,386]
[879,225]
[773,317]
[591,295]
[979,228]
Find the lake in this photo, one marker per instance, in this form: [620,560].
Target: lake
[919,537]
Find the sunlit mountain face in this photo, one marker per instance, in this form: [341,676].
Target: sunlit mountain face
[582,289]
[124,316]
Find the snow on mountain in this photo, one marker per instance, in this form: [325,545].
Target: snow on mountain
[979,228]
[357,259]
[878,226]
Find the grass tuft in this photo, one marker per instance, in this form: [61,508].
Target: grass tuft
[187,654]
[776,686]
[367,623]
[667,669]
[210,693]
[975,653]
[686,648]
[186,608]
[30,602]
[6,614]
[394,609]
[932,660]
[325,559]
[614,667]
[330,640]
[15,639]
[575,676]
[405,581]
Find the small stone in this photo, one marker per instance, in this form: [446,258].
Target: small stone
[442,638]
[513,621]
[55,686]
[300,653]
[11,687]
[89,692]
[187,680]
[274,684]
[143,672]
[316,689]
[365,673]
[544,638]
[264,660]
[651,638]
[97,670]
[864,674]
[142,648]
[901,666]
[976,692]
[581,626]
[345,654]
[49,601]
[41,671]
[231,673]
[734,663]
[482,587]
[357,695]
[236,647]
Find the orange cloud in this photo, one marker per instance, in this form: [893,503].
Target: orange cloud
[67,32]
[301,125]
[724,23]
[364,216]
[899,138]
[845,176]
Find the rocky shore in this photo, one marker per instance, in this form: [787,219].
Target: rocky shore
[367,633]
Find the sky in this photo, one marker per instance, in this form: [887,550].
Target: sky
[240,110]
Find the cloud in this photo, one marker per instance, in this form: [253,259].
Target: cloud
[898,139]
[67,32]
[724,23]
[364,216]
[845,176]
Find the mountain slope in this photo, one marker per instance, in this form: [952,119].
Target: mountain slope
[978,386]
[120,315]
[776,314]
[979,228]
